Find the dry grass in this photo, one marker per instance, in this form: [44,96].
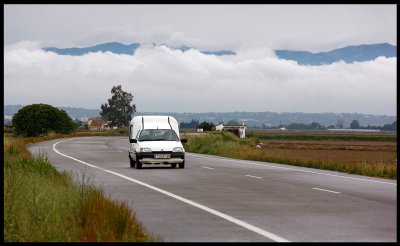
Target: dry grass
[42,205]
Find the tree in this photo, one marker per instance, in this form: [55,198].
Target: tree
[207,126]
[301,126]
[390,127]
[317,126]
[191,125]
[119,109]
[40,119]
[355,124]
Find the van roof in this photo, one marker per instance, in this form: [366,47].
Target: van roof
[155,121]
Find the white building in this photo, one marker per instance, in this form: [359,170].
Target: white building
[239,130]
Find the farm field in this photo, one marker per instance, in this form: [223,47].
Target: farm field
[332,150]
[364,154]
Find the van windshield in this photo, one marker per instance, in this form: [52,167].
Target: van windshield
[158,135]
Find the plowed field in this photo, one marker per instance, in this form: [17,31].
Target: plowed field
[333,150]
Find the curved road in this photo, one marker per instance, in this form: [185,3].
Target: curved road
[216,199]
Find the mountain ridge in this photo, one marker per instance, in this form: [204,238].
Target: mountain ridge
[119,48]
[348,54]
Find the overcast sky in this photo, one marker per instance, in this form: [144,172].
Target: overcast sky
[164,80]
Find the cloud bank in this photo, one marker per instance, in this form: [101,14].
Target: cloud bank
[165,80]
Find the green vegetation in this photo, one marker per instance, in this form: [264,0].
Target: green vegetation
[206,126]
[119,109]
[229,145]
[40,119]
[42,205]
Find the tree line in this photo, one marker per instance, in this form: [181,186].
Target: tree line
[339,125]
[387,127]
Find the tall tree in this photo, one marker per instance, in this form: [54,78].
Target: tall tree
[119,109]
[355,124]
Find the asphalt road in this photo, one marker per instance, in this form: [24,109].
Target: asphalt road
[216,199]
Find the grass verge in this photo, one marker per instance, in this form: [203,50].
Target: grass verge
[43,205]
[229,145]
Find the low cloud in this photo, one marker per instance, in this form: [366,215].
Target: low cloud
[165,80]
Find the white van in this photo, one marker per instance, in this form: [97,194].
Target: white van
[155,140]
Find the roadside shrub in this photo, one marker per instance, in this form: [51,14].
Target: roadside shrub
[40,119]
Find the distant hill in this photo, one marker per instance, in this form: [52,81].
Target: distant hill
[349,54]
[119,48]
[252,119]
[114,47]
[74,113]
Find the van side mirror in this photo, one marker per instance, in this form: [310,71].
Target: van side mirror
[132,140]
[184,140]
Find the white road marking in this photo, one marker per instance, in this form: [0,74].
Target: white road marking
[327,190]
[292,169]
[207,167]
[251,176]
[195,204]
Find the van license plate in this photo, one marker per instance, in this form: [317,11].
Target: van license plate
[162,156]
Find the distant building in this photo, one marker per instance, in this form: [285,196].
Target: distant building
[219,127]
[239,130]
[8,127]
[96,124]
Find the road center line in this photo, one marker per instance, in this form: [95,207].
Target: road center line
[288,168]
[195,204]
[207,167]
[251,176]
[326,190]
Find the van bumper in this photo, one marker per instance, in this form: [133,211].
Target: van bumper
[149,158]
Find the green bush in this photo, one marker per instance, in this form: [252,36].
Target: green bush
[40,119]
[206,126]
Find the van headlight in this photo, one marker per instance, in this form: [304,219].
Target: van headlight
[178,149]
[145,150]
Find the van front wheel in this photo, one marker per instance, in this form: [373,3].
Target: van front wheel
[182,165]
[132,162]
